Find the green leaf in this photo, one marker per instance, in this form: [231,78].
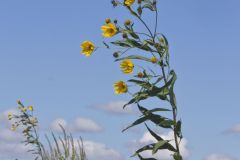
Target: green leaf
[150,41]
[158,145]
[139,45]
[133,34]
[143,84]
[167,123]
[149,6]
[134,57]
[171,91]
[122,43]
[178,129]
[141,158]
[146,147]
[138,121]
[158,110]
[177,156]
[134,43]
[158,138]
[139,96]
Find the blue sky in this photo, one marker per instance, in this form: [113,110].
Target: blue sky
[41,64]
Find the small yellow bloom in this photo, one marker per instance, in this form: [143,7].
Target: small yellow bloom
[13,128]
[10,116]
[127,66]
[154,60]
[23,109]
[30,108]
[120,87]
[109,30]
[128,2]
[88,48]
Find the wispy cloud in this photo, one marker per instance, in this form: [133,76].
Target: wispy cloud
[216,156]
[115,108]
[11,146]
[233,130]
[80,124]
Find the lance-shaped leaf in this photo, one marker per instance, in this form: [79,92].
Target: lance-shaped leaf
[141,158]
[139,96]
[144,148]
[149,6]
[138,121]
[122,43]
[158,138]
[143,84]
[158,145]
[139,45]
[134,57]
[177,156]
[146,111]
[171,91]
[133,34]
[157,119]
[178,129]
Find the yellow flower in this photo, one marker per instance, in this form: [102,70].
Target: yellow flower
[127,66]
[13,128]
[30,108]
[128,2]
[120,87]
[154,60]
[24,109]
[109,30]
[88,47]
[10,116]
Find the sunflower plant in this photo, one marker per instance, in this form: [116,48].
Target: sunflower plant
[149,83]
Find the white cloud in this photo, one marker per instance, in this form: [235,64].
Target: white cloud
[55,125]
[80,124]
[147,138]
[96,151]
[215,156]
[115,108]
[234,129]
[11,145]
[85,125]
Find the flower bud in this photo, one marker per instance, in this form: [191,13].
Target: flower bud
[108,20]
[140,75]
[157,45]
[115,55]
[114,3]
[154,60]
[127,22]
[115,21]
[162,40]
[154,2]
[139,1]
[124,35]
